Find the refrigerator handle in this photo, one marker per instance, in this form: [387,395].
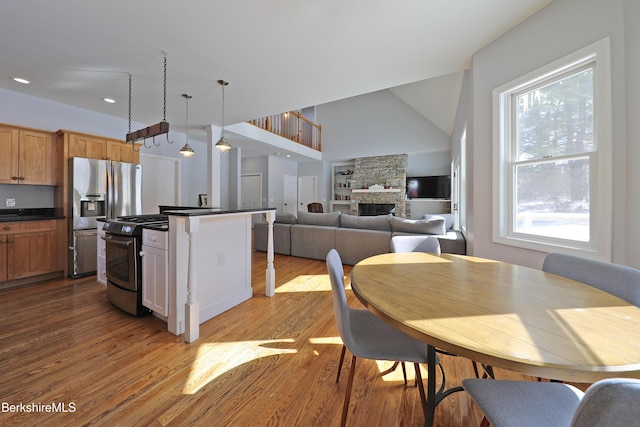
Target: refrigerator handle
[108,175]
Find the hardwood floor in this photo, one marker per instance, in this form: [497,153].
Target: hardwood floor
[267,362]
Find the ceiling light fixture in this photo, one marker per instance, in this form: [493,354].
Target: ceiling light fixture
[187,151]
[109,100]
[21,80]
[222,143]
[155,130]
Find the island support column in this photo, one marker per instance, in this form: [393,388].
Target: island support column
[192,307]
[271,271]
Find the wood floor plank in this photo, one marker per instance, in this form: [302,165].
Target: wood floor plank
[266,362]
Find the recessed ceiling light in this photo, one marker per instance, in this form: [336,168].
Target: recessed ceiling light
[288,155]
[109,100]
[21,80]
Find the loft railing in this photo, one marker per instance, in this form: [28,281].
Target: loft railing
[292,125]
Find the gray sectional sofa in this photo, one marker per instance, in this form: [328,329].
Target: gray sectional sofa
[312,235]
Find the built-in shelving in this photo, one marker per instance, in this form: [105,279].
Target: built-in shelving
[341,180]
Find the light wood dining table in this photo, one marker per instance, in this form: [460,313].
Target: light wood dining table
[503,315]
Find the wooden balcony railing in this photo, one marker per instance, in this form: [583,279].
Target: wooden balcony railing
[292,125]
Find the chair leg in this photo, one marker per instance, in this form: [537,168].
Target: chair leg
[423,396]
[404,374]
[475,368]
[344,349]
[393,368]
[347,395]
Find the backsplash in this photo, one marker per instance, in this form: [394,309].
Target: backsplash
[27,196]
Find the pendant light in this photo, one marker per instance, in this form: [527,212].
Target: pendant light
[187,151]
[222,143]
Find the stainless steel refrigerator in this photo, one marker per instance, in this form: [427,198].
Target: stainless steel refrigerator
[98,189]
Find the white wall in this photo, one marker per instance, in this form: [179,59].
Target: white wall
[557,30]
[376,124]
[631,225]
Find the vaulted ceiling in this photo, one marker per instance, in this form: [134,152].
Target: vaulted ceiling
[277,55]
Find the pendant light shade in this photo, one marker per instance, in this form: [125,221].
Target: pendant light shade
[222,143]
[187,151]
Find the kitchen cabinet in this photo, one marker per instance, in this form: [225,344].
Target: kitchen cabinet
[101,251]
[119,152]
[155,271]
[97,147]
[26,156]
[87,146]
[3,258]
[28,250]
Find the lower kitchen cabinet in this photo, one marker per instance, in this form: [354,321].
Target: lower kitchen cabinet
[155,271]
[27,249]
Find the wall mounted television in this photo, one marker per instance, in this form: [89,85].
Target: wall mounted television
[429,187]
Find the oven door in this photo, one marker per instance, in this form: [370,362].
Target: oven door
[121,261]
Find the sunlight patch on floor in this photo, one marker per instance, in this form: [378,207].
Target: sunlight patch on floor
[306,283]
[216,359]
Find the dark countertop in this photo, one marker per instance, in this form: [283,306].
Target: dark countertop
[157,227]
[35,214]
[214,211]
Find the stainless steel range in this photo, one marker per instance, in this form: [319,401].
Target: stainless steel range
[124,264]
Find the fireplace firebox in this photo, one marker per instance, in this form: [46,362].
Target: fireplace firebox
[371,209]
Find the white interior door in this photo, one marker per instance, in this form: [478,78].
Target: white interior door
[290,195]
[160,182]
[307,191]
[251,190]
[251,194]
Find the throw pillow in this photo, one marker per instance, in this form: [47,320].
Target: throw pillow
[418,226]
[376,222]
[326,219]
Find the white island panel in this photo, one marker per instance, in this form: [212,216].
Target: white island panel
[221,266]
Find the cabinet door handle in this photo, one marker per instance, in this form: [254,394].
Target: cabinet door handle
[15,178]
[21,178]
[6,228]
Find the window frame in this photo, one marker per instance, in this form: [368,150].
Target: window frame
[504,155]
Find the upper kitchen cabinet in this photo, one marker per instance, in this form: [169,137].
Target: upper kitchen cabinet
[97,147]
[26,156]
[87,146]
[119,152]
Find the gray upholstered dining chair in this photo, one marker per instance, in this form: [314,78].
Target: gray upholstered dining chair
[367,336]
[507,403]
[415,244]
[619,280]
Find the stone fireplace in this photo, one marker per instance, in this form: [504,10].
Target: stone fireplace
[380,180]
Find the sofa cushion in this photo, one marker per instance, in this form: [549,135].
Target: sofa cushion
[326,219]
[377,222]
[448,219]
[286,218]
[312,241]
[354,245]
[418,226]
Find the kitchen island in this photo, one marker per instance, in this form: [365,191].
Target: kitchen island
[210,264]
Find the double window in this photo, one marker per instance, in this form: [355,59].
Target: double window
[552,184]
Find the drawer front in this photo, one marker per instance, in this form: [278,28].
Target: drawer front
[26,226]
[156,239]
